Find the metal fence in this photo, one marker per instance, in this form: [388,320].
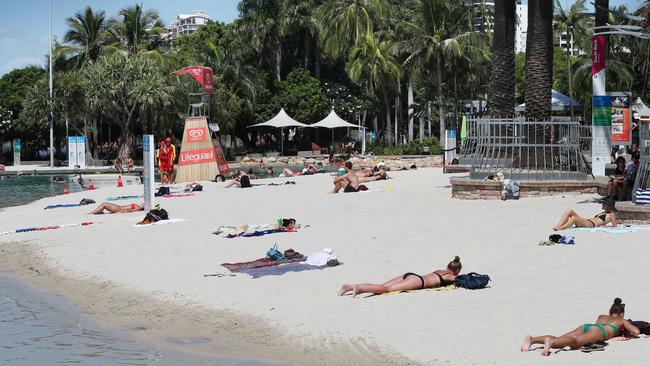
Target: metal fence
[643,173]
[524,149]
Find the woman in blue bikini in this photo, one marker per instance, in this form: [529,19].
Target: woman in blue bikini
[606,327]
[408,281]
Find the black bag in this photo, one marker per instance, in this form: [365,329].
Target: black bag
[86,201]
[162,191]
[472,281]
[157,215]
[197,188]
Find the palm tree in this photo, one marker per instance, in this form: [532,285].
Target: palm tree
[371,60]
[262,22]
[347,22]
[300,17]
[502,80]
[137,30]
[86,34]
[437,33]
[572,24]
[539,58]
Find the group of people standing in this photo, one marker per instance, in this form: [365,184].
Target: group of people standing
[166,155]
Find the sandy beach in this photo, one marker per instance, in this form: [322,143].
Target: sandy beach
[153,277]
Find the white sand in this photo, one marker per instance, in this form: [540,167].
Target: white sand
[417,227]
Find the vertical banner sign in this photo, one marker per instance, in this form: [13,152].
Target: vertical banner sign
[148,154]
[17,149]
[72,151]
[81,152]
[450,143]
[621,121]
[222,163]
[198,158]
[601,108]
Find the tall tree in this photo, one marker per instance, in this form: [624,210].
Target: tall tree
[502,78]
[571,23]
[137,30]
[438,29]
[539,58]
[371,61]
[86,35]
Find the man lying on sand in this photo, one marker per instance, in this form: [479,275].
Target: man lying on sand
[349,181]
[605,327]
[408,281]
[308,169]
[377,173]
[113,208]
[570,217]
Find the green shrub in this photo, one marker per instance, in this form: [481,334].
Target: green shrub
[411,148]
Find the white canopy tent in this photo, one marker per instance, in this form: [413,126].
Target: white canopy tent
[559,103]
[334,121]
[281,120]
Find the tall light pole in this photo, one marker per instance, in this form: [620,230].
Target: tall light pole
[50,103]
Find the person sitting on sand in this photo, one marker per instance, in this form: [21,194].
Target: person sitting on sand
[571,218]
[408,281]
[113,208]
[241,180]
[605,327]
[377,174]
[349,181]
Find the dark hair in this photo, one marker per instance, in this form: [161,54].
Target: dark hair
[620,159]
[348,164]
[617,307]
[455,265]
[287,222]
[636,155]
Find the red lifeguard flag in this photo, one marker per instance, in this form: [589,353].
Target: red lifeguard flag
[202,74]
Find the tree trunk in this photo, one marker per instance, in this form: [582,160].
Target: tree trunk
[388,133]
[306,49]
[410,107]
[441,107]
[317,57]
[421,127]
[502,83]
[569,72]
[539,59]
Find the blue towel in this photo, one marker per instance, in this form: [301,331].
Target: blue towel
[59,206]
[280,270]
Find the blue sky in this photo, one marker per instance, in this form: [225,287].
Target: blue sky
[24,24]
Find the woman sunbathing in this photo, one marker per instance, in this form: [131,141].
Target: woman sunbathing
[241,180]
[113,208]
[409,281]
[606,327]
[571,218]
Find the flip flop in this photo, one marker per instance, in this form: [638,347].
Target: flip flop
[545,243]
[593,347]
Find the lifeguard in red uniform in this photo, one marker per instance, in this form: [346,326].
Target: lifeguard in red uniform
[166,155]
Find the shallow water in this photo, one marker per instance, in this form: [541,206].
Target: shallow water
[38,328]
[19,190]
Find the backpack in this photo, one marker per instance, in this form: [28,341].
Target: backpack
[162,191]
[197,188]
[472,281]
[274,254]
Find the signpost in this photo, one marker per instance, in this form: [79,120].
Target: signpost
[72,151]
[17,149]
[621,118]
[77,152]
[148,153]
[450,146]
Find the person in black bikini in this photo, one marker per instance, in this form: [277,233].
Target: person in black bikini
[409,281]
[571,218]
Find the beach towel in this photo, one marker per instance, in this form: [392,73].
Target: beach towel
[243,228]
[445,288]
[52,227]
[260,263]
[279,269]
[259,233]
[614,230]
[61,206]
[123,198]
[174,195]
[162,222]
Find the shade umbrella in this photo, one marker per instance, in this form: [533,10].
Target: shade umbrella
[643,111]
[281,120]
[334,121]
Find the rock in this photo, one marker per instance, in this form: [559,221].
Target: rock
[271,160]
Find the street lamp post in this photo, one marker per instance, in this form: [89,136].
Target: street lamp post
[51,111]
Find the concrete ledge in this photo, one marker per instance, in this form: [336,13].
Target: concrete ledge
[631,213]
[472,189]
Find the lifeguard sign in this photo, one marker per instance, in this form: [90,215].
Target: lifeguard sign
[202,74]
[199,159]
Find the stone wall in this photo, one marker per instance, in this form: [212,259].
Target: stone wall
[391,162]
[472,189]
[629,213]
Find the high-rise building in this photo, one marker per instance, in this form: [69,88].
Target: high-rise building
[186,24]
